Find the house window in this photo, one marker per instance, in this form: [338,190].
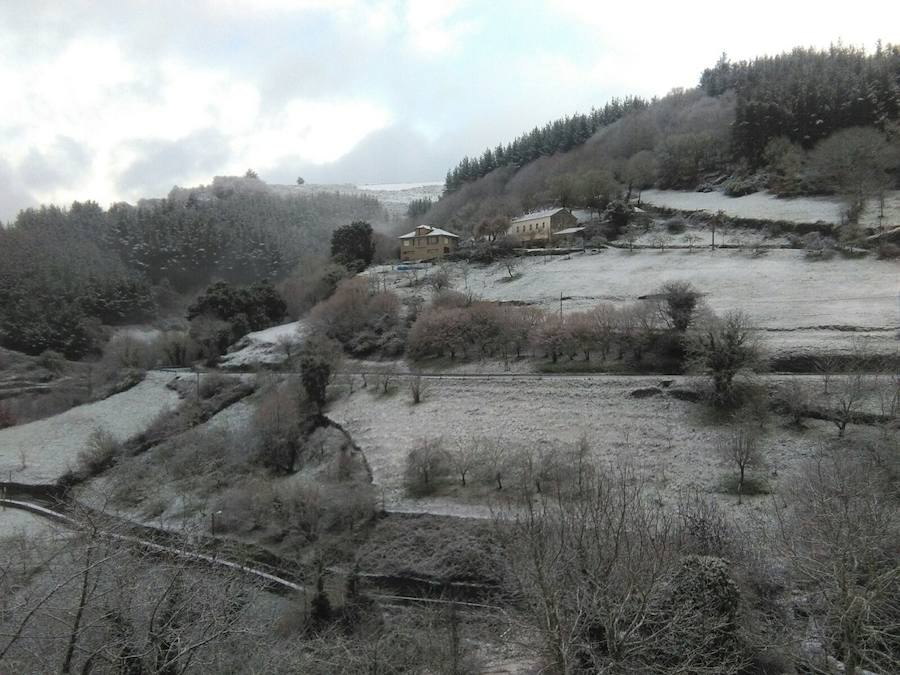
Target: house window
[432,240]
[406,242]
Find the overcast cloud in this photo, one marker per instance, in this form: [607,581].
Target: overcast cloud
[116,100]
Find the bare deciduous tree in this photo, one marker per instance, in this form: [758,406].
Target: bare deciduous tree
[418,387]
[741,449]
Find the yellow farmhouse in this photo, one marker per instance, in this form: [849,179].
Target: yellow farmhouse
[426,243]
[538,226]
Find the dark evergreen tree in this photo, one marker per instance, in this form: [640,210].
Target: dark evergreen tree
[352,246]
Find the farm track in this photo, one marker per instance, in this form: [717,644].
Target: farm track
[48,502]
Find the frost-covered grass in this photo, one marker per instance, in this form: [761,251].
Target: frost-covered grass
[42,451]
[759,205]
[766,206]
[671,442]
[16,526]
[780,289]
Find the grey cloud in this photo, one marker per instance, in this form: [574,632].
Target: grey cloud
[392,155]
[13,194]
[59,165]
[165,163]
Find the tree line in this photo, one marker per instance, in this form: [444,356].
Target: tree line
[560,135]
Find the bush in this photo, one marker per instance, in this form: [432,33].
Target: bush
[101,452]
[363,322]
[738,187]
[427,466]
[818,247]
[888,251]
[52,361]
[675,226]
[702,608]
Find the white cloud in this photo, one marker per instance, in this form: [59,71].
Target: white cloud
[664,44]
[111,105]
[435,28]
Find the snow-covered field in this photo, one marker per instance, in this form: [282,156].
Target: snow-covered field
[663,438]
[761,205]
[265,346]
[779,290]
[15,523]
[766,206]
[42,451]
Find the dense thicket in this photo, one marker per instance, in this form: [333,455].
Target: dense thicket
[558,136]
[807,94]
[65,271]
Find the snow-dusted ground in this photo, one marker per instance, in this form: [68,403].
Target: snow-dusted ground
[761,205]
[766,206]
[664,439]
[232,431]
[16,523]
[42,451]
[796,301]
[264,346]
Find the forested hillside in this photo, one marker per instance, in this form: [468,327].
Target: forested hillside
[558,136]
[806,122]
[64,271]
[807,95]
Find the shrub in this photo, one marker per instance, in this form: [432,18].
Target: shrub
[738,187]
[427,465]
[418,387]
[101,452]
[361,321]
[818,247]
[675,226]
[724,348]
[52,361]
[701,607]
[888,251]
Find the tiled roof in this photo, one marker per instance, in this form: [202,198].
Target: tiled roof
[538,214]
[432,232]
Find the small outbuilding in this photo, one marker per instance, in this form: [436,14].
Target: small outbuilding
[537,227]
[427,243]
[571,236]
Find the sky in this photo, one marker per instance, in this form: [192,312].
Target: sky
[116,100]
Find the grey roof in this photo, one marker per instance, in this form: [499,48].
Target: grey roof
[433,232]
[568,230]
[538,214]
